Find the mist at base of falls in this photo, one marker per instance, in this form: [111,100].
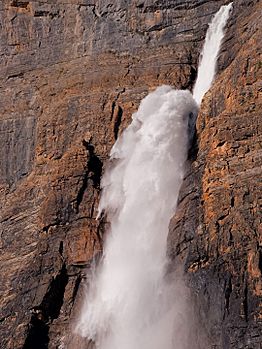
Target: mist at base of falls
[130,302]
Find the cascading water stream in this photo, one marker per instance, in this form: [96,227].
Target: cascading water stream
[129,303]
[209,54]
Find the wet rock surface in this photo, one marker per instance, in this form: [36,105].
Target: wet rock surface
[72,73]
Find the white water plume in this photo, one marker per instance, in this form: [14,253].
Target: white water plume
[129,304]
[129,301]
[213,40]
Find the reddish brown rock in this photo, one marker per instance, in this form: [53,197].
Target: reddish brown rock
[72,73]
[219,216]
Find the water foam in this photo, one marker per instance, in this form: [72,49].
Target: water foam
[129,302]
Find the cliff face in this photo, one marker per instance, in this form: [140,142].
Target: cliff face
[219,217]
[72,73]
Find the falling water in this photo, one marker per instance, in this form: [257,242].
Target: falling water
[129,303]
[207,66]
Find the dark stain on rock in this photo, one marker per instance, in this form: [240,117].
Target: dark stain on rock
[117,122]
[93,172]
[20,4]
[38,333]
[260,259]
[94,165]
[245,302]
[228,291]
[48,311]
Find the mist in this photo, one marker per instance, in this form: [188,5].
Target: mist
[129,304]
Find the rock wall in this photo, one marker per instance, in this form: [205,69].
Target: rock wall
[219,217]
[72,73]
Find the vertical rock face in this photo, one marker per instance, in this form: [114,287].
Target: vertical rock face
[72,73]
[219,218]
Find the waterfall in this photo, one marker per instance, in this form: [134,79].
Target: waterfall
[129,302]
[207,66]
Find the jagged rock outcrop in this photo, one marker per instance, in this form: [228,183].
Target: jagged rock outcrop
[72,73]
